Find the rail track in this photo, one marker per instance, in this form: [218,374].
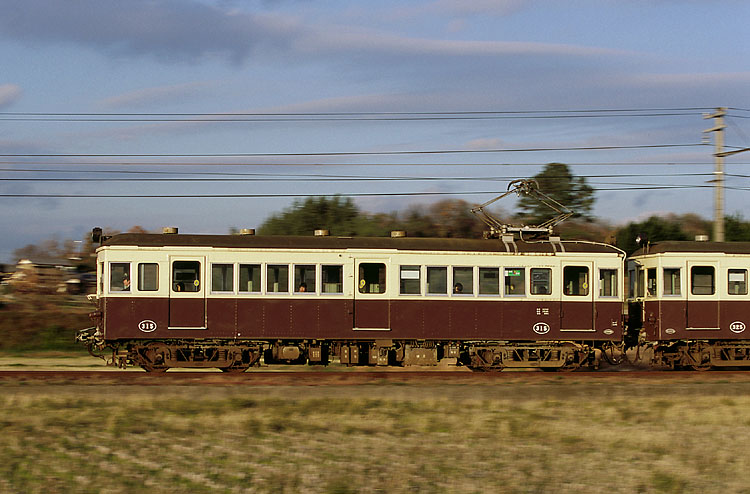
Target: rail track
[333,378]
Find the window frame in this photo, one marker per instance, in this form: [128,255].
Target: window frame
[692,280]
[298,282]
[269,266]
[142,277]
[496,269]
[522,269]
[340,283]
[232,277]
[111,270]
[678,286]
[729,281]
[429,293]
[454,283]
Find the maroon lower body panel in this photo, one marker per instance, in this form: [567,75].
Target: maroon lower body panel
[317,318]
[677,319]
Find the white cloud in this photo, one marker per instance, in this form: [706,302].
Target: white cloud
[9,94]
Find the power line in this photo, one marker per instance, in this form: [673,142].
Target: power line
[358,153]
[355,194]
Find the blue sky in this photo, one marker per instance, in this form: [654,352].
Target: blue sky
[225,57]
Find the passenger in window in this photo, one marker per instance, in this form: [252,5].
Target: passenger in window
[180,287]
[459,288]
[302,287]
[126,283]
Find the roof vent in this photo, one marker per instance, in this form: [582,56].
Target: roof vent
[398,234]
[169,230]
[701,238]
[247,231]
[322,233]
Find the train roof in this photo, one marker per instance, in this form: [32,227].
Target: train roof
[694,247]
[342,243]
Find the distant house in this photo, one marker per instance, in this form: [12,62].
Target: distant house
[42,276]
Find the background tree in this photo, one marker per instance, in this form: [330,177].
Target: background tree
[655,229]
[338,215]
[557,181]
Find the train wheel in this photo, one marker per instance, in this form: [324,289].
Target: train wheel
[700,367]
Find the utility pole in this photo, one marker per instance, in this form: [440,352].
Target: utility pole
[718,172]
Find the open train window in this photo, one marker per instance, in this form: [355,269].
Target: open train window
[702,280]
[437,280]
[186,276]
[372,277]
[607,282]
[277,278]
[410,280]
[515,281]
[333,279]
[540,281]
[672,281]
[576,280]
[250,278]
[737,282]
[222,277]
[463,281]
[119,277]
[489,281]
[304,278]
[148,277]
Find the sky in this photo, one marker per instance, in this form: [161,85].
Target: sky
[209,115]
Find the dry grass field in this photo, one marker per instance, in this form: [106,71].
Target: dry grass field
[618,434]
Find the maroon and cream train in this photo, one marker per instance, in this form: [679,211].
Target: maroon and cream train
[227,301]
[174,300]
[690,299]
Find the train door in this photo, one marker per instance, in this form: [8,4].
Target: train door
[577,302]
[187,295]
[702,296]
[372,309]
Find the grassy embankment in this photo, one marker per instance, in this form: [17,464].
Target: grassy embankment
[590,434]
[35,324]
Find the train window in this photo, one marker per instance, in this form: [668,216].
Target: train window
[702,280]
[463,281]
[222,277]
[672,281]
[410,280]
[186,276]
[437,280]
[631,283]
[371,277]
[641,282]
[250,278]
[333,279]
[576,280]
[607,282]
[277,278]
[304,278]
[651,282]
[489,281]
[515,281]
[737,282]
[119,277]
[540,281]
[148,277]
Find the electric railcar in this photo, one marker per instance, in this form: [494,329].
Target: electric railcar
[176,300]
[691,301]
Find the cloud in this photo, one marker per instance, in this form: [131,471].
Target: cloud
[147,97]
[172,30]
[189,31]
[462,8]
[9,94]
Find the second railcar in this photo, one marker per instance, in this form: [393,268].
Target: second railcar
[691,302]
